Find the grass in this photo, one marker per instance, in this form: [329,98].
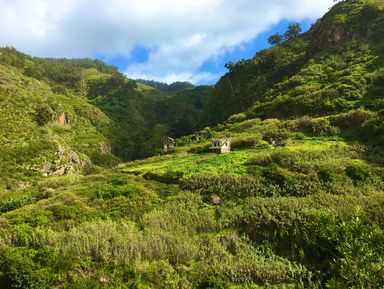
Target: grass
[231,163]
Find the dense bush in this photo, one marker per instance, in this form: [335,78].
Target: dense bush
[43,115]
[245,141]
[319,127]
[226,187]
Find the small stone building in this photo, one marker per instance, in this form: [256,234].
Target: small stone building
[201,135]
[221,146]
[169,143]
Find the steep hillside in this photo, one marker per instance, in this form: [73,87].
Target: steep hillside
[130,113]
[100,85]
[44,133]
[179,107]
[335,67]
[183,112]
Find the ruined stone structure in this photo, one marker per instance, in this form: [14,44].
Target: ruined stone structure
[169,143]
[201,135]
[221,146]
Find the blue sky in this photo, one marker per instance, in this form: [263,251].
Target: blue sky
[215,65]
[164,40]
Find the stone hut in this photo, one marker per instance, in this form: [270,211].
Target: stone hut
[221,146]
[201,135]
[169,143]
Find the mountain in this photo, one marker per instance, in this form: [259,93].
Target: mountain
[167,88]
[86,109]
[297,203]
[179,106]
[183,112]
[333,68]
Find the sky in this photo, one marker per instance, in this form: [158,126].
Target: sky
[164,40]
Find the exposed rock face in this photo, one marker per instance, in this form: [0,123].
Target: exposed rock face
[216,200]
[324,38]
[105,148]
[352,21]
[67,162]
[103,280]
[338,35]
[63,118]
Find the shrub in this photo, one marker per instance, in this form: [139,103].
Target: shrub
[105,160]
[129,190]
[237,118]
[276,136]
[43,115]
[21,268]
[358,173]
[201,148]
[226,187]
[262,145]
[373,129]
[169,177]
[319,127]
[13,204]
[359,244]
[352,120]
[323,127]
[245,142]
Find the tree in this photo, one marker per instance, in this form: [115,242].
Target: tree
[154,140]
[229,65]
[275,39]
[294,29]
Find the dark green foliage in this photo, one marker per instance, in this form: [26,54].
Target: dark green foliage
[358,173]
[245,142]
[294,29]
[318,127]
[167,88]
[23,267]
[43,115]
[373,129]
[113,192]
[248,80]
[353,120]
[182,112]
[169,177]
[359,244]
[275,39]
[226,187]
[103,159]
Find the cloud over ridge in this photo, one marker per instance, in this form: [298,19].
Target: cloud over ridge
[179,35]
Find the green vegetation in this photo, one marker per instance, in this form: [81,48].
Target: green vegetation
[297,203]
[294,30]
[167,88]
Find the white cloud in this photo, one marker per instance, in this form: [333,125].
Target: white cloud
[179,34]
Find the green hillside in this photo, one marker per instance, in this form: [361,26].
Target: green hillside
[297,203]
[107,116]
[47,133]
[90,82]
[183,112]
[333,68]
